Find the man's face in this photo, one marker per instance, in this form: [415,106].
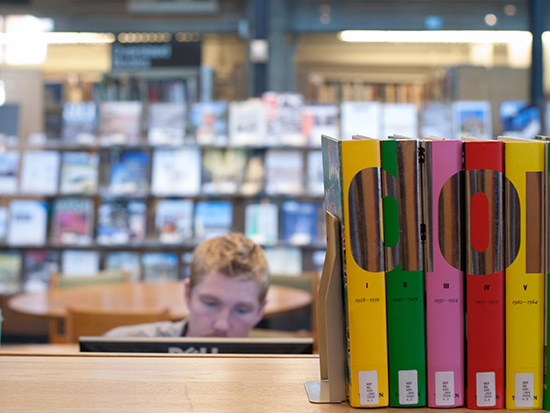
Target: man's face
[220,306]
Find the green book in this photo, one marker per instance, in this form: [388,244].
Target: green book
[402,219]
[546,389]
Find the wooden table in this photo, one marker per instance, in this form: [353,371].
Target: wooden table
[53,304]
[162,383]
[139,296]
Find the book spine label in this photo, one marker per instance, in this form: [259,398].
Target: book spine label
[404,272]
[484,266]
[442,190]
[524,274]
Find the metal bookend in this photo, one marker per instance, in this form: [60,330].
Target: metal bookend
[330,323]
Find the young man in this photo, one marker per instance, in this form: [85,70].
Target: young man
[225,292]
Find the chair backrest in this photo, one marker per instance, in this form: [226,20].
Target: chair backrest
[94,322]
[307,281]
[58,280]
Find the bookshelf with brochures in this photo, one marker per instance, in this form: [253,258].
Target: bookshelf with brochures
[121,188]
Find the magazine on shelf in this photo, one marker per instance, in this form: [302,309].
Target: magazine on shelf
[3,223]
[9,169]
[124,260]
[284,118]
[223,170]
[262,223]
[174,220]
[28,221]
[436,120]
[472,118]
[300,221]
[399,119]
[284,260]
[79,173]
[120,122]
[519,119]
[186,258]
[121,221]
[364,118]
[247,122]
[129,172]
[39,265]
[79,122]
[284,172]
[176,171]
[318,259]
[254,175]
[320,120]
[315,183]
[167,90]
[73,221]
[79,263]
[213,219]
[166,123]
[40,172]
[208,122]
[10,272]
[159,266]
[9,123]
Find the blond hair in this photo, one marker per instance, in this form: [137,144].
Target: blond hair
[234,256]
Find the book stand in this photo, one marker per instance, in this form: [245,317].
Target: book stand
[330,323]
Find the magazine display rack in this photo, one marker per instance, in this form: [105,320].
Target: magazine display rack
[331,388]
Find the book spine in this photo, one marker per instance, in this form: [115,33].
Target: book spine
[444,282]
[546,396]
[404,272]
[524,275]
[484,267]
[353,194]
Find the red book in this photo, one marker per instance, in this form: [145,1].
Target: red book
[484,252]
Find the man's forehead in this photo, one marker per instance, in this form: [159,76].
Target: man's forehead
[222,286]
[241,301]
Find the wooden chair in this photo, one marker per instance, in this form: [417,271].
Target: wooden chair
[92,322]
[60,281]
[307,281]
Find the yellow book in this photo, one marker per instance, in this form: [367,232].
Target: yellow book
[353,194]
[524,224]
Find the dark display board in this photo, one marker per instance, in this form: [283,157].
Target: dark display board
[130,56]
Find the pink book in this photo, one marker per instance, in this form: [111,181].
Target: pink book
[444,281]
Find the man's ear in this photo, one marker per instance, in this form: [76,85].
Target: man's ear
[187,291]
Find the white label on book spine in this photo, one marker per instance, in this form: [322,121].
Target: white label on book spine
[485,389]
[408,387]
[368,387]
[444,388]
[524,390]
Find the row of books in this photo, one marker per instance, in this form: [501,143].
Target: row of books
[277,119]
[331,91]
[459,118]
[181,171]
[31,270]
[429,228]
[176,221]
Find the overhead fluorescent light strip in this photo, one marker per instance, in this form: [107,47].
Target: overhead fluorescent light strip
[61,38]
[435,36]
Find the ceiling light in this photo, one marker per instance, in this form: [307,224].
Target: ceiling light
[435,36]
